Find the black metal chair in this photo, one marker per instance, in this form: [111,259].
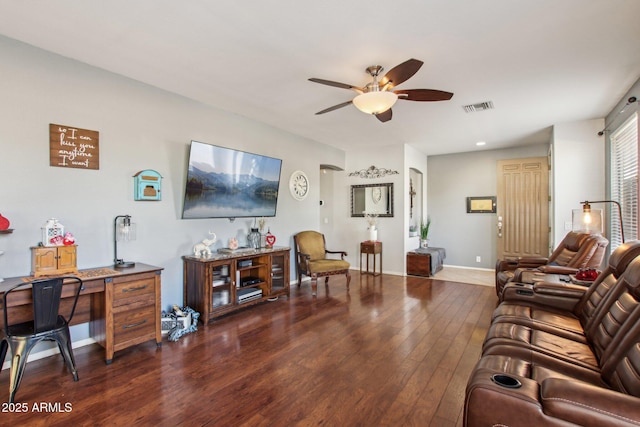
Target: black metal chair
[47,325]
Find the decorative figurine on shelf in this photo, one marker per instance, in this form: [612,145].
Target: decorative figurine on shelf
[204,248]
[56,241]
[68,239]
[270,240]
[233,243]
[52,232]
[4,223]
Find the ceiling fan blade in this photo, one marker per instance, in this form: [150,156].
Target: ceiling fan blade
[385,116]
[401,73]
[423,95]
[335,107]
[336,84]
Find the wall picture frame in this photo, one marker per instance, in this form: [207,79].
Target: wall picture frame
[485,204]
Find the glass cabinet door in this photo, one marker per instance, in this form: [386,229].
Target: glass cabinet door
[221,284]
[279,274]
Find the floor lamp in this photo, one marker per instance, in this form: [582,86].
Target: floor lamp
[586,209]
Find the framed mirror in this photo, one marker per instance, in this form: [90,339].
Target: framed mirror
[372,199]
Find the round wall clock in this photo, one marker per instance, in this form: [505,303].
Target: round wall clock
[299,185]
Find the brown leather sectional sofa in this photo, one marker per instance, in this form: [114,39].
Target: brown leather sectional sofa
[575,251]
[563,354]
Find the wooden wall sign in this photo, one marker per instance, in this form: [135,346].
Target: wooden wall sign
[71,147]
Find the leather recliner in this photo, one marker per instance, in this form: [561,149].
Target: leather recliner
[576,251]
[542,376]
[563,308]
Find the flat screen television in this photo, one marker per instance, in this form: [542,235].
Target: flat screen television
[227,183]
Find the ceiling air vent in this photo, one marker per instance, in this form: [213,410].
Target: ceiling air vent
[480,106]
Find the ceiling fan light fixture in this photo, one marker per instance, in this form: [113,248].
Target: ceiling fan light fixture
[375,102]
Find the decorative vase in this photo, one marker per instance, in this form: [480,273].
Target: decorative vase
[424,243]
[373,233]
[253,238]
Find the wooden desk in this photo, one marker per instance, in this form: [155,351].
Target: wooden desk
[371,248]
[122,306]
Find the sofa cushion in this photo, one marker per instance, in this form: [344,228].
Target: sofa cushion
[325,265]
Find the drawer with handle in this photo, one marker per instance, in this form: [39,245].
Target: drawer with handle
[130,291]
[133,324]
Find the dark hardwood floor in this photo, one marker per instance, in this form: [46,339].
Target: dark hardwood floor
[393,351]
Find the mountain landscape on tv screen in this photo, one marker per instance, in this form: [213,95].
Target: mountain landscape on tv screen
[211,195]
[222,183]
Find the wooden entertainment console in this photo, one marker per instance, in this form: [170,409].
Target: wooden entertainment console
[224,283]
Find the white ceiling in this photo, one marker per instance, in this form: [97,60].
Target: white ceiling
[541,62]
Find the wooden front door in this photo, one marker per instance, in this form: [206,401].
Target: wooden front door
[523,207]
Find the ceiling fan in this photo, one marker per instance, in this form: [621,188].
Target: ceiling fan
[377,97]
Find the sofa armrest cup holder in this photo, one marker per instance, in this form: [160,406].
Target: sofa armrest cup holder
[506,381]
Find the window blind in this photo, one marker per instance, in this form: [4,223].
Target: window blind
[624,181]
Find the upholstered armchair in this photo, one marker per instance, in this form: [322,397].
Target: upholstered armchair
[312,259]
[577,250]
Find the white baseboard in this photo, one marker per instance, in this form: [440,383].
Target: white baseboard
[50,352]
[468,268]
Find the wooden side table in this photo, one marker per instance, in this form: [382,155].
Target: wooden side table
[371,247]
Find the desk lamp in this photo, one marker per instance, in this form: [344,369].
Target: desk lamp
[123,231]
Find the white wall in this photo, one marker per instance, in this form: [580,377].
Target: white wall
[578,162]
[417,160]
[450,180]
[349,232]
[140,127]
[327,219]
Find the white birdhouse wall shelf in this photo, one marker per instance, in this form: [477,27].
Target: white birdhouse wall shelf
[147,185]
